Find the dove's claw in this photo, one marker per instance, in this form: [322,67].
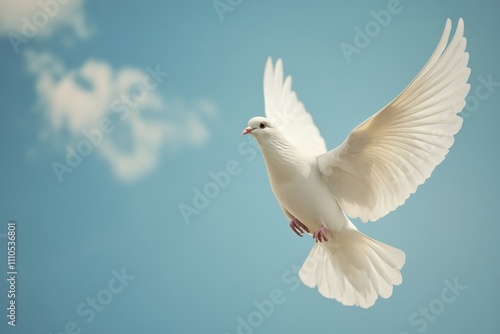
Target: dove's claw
[320,234]
[297,227]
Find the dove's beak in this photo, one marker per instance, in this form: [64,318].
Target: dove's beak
[247,131]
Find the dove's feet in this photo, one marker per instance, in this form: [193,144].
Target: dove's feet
[320,234]
[297,227]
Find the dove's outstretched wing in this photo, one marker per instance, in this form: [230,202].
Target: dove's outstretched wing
[288,113]
[386,157]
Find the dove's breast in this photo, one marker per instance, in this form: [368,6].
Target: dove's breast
[307,197]
[299,186]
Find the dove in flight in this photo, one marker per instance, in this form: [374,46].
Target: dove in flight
[378,166]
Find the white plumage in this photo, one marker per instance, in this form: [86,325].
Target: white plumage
[374,171]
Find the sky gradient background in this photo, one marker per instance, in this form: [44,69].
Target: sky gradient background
[118,209]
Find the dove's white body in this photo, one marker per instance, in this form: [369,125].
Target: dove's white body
[300,187]
[378,166]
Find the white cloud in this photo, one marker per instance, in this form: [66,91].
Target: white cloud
[26,19]
[78,100]
[62,90]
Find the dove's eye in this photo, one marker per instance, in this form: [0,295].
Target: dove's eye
[262,125]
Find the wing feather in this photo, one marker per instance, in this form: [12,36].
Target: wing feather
[287,112]
[385,158]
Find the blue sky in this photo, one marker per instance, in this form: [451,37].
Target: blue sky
[163,90]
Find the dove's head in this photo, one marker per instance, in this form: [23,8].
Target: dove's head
[267,133]
[259,127]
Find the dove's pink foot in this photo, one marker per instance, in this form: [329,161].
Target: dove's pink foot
[297,227]
[320,234]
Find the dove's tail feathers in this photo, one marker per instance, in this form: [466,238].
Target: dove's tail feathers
[353,268]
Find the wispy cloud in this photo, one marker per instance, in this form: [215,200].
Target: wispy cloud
[24,20]
[140,122]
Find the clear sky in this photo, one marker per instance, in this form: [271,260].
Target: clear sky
[116,116]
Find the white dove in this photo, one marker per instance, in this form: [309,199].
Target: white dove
[371,173]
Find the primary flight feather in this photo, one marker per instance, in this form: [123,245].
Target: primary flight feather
[371,173]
